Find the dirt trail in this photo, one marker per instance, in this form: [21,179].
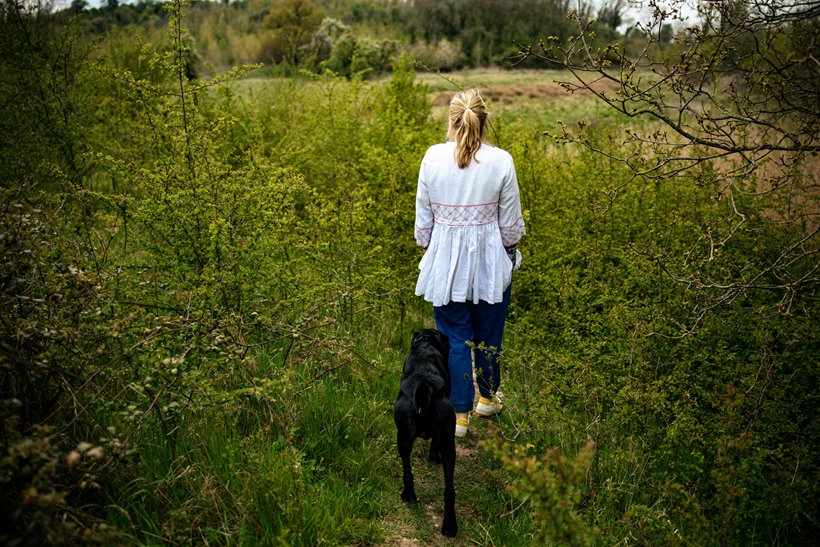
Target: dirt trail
[417,524]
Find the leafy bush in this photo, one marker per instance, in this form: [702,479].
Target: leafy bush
[686,449]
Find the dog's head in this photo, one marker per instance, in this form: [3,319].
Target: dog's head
[431,337]
[427,364]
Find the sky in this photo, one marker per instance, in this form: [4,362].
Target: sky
[639,11]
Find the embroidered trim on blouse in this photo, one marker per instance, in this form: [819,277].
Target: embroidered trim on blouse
[512,234]
[423,236]
[476,214]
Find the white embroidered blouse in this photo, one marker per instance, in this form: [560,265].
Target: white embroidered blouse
[464,219]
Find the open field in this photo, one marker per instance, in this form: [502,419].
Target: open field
[531,100]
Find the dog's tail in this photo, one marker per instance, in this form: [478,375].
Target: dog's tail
[422,397]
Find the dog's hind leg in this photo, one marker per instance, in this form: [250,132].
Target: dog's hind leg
[405,445]
[445,441]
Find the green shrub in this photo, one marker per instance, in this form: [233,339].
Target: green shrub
[694,430]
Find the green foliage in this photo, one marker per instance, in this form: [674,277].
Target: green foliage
[441,55]
[351,56]
[294,23]
[288,34]
[487,30]
[207,295]
[682,451]
[553,488]
[42,484]
[52,341]
[54,333]
[46,93]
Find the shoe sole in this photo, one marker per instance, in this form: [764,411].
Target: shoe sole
[484,412]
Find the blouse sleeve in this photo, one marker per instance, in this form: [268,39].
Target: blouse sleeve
[424,211]
[510,219]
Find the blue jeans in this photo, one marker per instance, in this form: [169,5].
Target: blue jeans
[464,322]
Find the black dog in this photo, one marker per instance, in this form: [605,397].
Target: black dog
[423,409]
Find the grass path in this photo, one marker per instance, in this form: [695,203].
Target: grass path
[487,514]
[419,523]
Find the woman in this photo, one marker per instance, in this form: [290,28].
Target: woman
[468,220]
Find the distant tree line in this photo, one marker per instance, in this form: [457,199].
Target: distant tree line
[488,31]
[355,36]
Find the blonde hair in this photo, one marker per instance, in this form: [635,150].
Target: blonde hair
[467,117]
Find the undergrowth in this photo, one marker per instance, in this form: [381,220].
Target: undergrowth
[207,298]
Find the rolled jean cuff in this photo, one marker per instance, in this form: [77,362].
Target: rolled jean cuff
[463,408]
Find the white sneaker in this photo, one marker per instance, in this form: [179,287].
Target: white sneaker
[461,426]
[489,407]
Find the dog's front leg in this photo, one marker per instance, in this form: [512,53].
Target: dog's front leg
[447,446]
[405,444]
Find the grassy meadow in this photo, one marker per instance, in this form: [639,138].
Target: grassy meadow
[208,298]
